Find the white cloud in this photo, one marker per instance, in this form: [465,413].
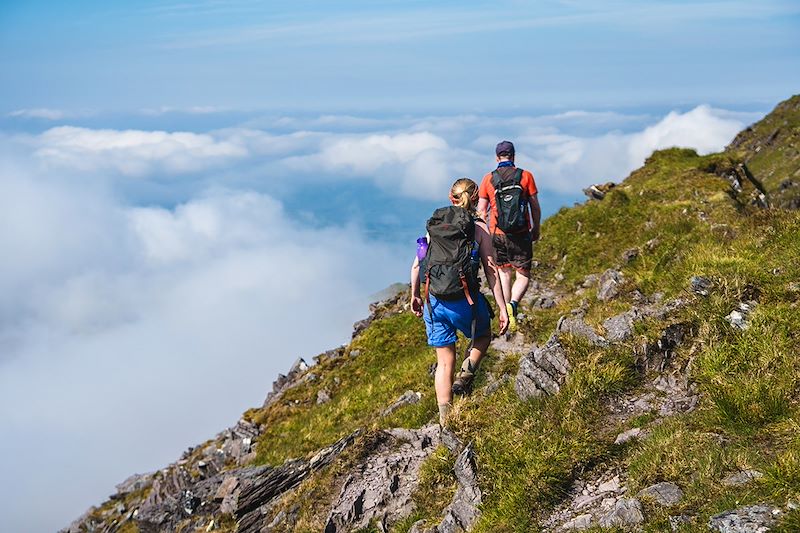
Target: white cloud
[414,157]
[134,152]
[565,163]
[129,333]
[39,112]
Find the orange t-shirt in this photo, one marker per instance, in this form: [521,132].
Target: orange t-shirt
[486,190]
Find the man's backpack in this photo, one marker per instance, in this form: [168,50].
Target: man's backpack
[450,271]
[510,202]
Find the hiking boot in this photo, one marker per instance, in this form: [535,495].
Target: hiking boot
[463,383]
[512,317]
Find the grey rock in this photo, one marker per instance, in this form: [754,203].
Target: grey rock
[612,485]
[323,396]
[510,344]
[134,483]
[749,519]
[226,488]
[742,478]
[700,285]
[451,441]
[676,522]
[609,285]
[738,317]
[330,355]
[620,327]
[579,523]
[626,436]
[542,371]
[630,254]
[626,512]
[577,327]
[590,281]
[543,302]
[664,494]
[409,397]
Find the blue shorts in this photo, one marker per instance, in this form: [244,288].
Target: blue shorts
[452,315]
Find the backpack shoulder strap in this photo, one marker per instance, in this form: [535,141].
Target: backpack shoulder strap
[518,176]
[496,179]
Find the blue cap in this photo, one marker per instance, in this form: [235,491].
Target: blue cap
[505,148]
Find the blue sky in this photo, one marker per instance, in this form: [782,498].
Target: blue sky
[185,187]
[410,55]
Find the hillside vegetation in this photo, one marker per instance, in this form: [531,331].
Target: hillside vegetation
[693,384]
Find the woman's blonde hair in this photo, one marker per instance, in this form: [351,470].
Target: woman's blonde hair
[464,193]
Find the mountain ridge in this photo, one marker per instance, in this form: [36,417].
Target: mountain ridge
[653,366]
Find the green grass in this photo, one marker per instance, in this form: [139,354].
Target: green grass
[393,358]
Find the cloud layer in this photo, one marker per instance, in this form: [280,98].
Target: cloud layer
[416,158]
[128,333]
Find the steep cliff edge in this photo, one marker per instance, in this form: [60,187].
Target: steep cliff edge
[653,386]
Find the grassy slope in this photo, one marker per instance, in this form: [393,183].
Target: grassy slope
[771,148]
[529,452]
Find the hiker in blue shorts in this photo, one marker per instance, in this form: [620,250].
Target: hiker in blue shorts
[457,243]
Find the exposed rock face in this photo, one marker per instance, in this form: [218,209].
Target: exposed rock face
[392,305]
[588,502]
[578,327]
[750,519]
[742,478]
[701,285]
[627,436]
[409,397]
[664,494]
[286,382]
[542,371]
[738,317]
[598,191]
[380,489]
[609,285]
[626,512]
[463,512]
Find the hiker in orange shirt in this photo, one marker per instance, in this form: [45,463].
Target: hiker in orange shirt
[510,194]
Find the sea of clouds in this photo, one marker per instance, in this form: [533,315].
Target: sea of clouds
[155,281]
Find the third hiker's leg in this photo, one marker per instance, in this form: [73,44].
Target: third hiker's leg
[520,286]
[505,281]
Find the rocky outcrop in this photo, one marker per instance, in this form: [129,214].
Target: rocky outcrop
[392,305]
[664,494]
[609,285]
[749,519]
[379,489]
[409,397]
[542,371]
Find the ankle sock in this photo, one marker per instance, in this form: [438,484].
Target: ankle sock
[514,305]
[444,410]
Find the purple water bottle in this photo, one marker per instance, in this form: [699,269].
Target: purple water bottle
[422,248]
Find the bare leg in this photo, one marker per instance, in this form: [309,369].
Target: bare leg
[505,281]
[479,348]
[443,380]
[520,286]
